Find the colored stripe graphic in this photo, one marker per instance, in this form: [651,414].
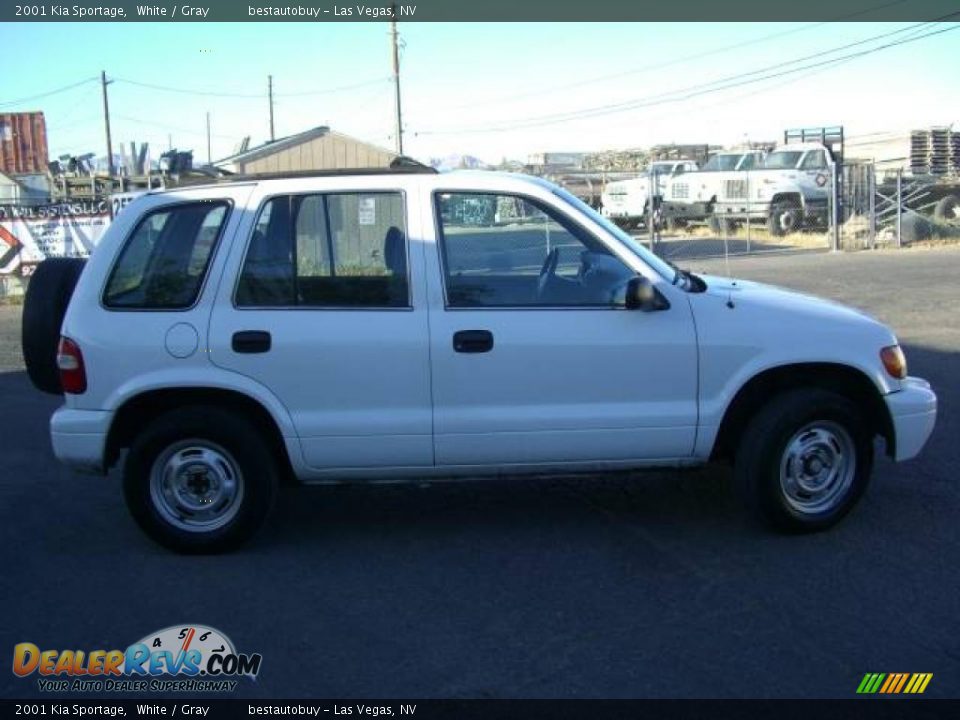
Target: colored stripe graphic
[894,683]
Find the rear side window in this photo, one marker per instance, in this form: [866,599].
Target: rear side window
[164,261]
[327,250]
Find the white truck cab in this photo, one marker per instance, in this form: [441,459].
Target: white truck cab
[789,188]
[627,202]
[403,325]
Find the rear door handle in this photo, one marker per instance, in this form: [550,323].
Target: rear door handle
[251,341]
[473,341]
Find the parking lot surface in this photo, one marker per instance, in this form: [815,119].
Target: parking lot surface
[650,585]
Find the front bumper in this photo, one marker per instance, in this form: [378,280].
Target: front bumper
[79,437]
[913,410]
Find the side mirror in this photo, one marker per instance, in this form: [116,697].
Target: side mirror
[642,295]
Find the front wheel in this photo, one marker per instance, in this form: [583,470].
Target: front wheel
[785,217]
[200,480]
[804,460]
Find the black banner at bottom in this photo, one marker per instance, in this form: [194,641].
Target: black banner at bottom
[485,709]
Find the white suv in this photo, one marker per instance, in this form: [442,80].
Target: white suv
[407,325]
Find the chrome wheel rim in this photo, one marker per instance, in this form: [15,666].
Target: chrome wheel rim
[196,485]
[817,467]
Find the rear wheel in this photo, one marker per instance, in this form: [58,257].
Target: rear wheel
[721,225]
[200,480]
[804,460]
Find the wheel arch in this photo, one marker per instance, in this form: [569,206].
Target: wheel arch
[150,404]
[842,379]
[792,196]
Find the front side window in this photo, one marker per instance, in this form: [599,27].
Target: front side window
[814,161]
[782,160]
[722,162]
[164,261]
[509,251]
[327,250]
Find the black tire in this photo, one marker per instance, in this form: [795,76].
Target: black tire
[785,217]
[674,224]
[915,228]
[763,447]
[247,457]
[45,304]
[723,226]
[947,209]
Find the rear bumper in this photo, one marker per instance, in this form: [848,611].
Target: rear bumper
[79,437]
[913,410]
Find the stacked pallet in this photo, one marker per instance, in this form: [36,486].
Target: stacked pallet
[939,151]
[920,152]
[935,151]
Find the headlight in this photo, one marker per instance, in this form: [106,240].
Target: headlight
[894,361]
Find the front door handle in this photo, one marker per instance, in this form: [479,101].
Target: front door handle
[473,341]
[251,341]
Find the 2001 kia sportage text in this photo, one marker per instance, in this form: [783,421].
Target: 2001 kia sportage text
[405,324]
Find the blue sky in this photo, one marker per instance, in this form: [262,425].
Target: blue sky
[466,87]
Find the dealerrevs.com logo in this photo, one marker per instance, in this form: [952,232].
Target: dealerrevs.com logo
[188,658]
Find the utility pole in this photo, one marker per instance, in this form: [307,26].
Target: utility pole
[395,53]
[209,159]
[270,96]
[106,121]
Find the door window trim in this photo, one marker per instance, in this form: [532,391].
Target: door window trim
[409,307]
[568,224]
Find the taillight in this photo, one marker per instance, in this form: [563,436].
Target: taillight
[73,376]
[894,361]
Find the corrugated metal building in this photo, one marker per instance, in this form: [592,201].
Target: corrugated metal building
[23,143]
[316,149]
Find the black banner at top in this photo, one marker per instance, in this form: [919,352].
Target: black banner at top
[476,11]
[209,708]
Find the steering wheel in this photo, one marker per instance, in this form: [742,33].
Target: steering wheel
[548,270]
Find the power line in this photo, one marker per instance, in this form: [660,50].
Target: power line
[710,87]
[637,71]
[172,128]
[50,92]
[572,114]
[676,61]
[258,96]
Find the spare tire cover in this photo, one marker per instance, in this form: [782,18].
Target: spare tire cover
[48,294]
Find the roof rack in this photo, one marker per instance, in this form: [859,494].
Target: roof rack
[401,165]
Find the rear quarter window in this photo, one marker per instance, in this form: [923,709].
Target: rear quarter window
[165,259]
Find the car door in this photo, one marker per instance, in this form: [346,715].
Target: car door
[536,362]
[325,307]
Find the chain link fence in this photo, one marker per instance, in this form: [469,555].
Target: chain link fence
[800,195]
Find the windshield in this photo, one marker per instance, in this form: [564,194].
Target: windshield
[783,160]
[662,167]
[659,266]
[722,162]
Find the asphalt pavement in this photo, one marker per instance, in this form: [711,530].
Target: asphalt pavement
[651,585]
